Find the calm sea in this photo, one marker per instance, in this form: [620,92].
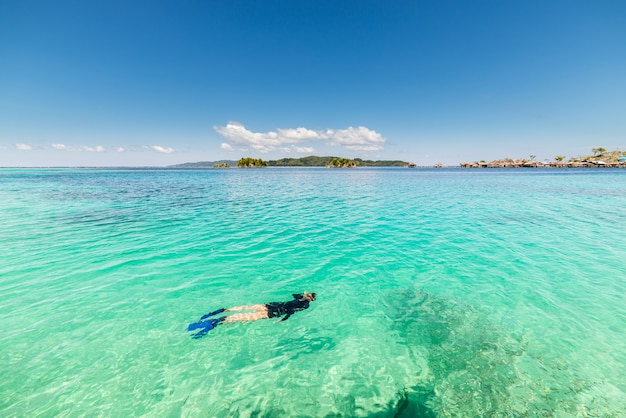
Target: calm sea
[441,293]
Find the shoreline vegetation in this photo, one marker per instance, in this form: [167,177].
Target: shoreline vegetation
[251,163]
[342,163]
[601,158]
[310,161]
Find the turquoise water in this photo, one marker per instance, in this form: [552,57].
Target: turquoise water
[440,292]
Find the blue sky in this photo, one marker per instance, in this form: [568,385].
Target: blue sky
[149,83]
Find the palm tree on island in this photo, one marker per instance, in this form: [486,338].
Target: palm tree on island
[598,151]
[342,163]
[248,162]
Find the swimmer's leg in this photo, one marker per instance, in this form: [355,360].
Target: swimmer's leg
[255,308]
[260,313]
[212,313]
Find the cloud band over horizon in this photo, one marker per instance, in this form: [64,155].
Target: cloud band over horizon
[287,140]
[96,149]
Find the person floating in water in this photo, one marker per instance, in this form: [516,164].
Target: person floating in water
[268,310]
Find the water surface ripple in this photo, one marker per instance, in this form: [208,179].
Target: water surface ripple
[441,292]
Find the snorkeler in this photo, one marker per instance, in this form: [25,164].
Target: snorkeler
[268,310]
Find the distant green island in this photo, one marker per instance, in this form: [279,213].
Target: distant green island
[251,163]
[342,163]
[311,161]
[206,164]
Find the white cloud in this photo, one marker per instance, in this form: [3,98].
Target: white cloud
[226,146]
[23,147]
[239,135]
[119,149]
[355,139]
[164,150]
[99,148]
[84,148]
[298,135]
[299,150]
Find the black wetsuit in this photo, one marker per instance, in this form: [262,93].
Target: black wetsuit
[276,309]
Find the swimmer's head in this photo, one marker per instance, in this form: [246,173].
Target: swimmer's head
[308,296]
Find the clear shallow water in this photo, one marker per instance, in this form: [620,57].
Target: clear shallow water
[440,292]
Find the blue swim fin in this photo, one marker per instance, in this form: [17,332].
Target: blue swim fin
[220,310]
[205,326]
[195,325]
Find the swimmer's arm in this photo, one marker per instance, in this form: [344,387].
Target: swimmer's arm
[287,316]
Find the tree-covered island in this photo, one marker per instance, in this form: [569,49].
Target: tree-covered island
[314,161]
[310,161]
[248,162]
[342,163]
